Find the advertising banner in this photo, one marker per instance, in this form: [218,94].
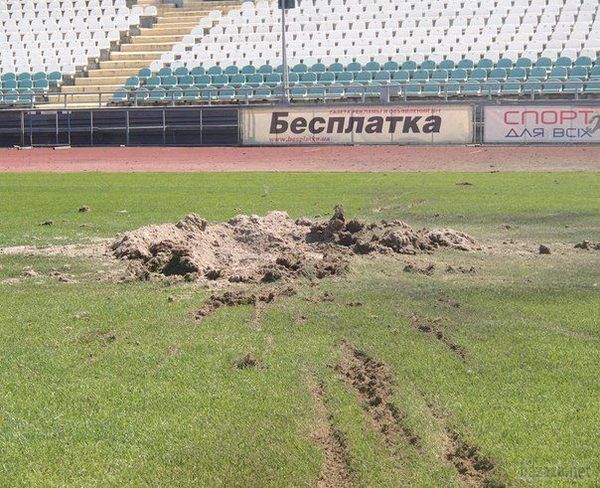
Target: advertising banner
[358,125]
[548,124]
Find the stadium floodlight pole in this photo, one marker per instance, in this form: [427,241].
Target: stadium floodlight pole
[284,78]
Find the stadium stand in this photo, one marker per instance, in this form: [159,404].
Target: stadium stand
[201,51]
[350,48]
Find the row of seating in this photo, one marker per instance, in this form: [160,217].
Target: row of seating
[265,93]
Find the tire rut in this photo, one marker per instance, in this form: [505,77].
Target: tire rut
[372,381]
[336,471]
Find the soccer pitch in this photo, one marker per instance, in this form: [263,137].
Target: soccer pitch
[446,369]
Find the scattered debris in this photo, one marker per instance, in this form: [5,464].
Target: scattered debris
[372,381]
[11,281]
[326,297]
[544,249]
[65,279]
[412,268]
[247,362]
[461,269]
[433,329]
[238,297]
[588,245]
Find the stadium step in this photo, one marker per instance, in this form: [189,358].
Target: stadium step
[85,83]
[172,24]
[167,31]
[109,73]
[137,40]
[164,46]
[124,64]
[136,55]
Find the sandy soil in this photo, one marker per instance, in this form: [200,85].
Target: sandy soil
[303,159]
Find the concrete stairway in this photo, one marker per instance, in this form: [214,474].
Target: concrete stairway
[171,26]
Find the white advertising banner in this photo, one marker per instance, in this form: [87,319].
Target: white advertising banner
[546,124]
[358,125]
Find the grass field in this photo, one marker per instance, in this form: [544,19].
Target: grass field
[112,384]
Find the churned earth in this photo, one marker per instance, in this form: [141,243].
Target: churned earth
[436,330]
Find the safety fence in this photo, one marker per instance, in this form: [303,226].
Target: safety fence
[545,122]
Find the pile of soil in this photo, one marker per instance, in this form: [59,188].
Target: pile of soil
[253,249]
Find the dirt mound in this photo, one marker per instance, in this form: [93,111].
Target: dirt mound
[588,245]
[253,249]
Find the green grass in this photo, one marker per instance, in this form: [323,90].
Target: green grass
[540,203]
[110,384]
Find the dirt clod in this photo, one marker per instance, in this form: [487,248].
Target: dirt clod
[588,245]
[461,269]
[543,249]
[413,268]
[247,362]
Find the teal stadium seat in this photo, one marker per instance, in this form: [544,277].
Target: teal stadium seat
[466,64]
[232,70]
[144,74]
[153,82]
[186,81]
[459,75]
[336,68]
[390,66]
[265,69]
[309,78]
[409,66]
[326,78]
[447,64]
[273,79]
[505,63]
[525,63]
[181,71]
[372,66]
[354,67]
[166,71]
[214,71]
[119,96]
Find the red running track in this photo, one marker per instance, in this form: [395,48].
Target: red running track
[327,158]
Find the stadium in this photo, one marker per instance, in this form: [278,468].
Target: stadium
[321,243]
